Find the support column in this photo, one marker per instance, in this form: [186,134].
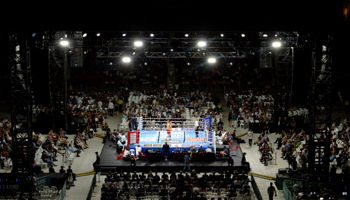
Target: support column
[21,104]
[320,105]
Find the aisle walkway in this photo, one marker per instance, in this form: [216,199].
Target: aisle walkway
[253,155]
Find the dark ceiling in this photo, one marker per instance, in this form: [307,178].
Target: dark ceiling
[206,16]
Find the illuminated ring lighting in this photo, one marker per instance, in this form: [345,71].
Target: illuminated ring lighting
[276,44]
[126,59]
[138,43]
[64,43]
[211,60]
[202,44]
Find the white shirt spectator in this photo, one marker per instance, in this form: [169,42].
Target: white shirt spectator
[110,105]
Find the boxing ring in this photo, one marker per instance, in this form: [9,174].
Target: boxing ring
[152,134]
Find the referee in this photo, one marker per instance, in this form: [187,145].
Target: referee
[196,125]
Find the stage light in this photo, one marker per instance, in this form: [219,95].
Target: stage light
[34,34]
[231,63]
[171,49]
[138,43]
[211,60]
[64,43]
[243,35]
[124,34]
[85,34]
[276,44]
[98,34]
[84,52]
[65,35]
[222,35]
[275,35]
[145,63]
[152,35]
[110,63]
[186,35]
[133,53]
[126,59]
[188,64]
[265,35]
[199,49]
[202,44]
[163,54]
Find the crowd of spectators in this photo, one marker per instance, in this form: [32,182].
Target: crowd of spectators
[249,107]
[5,141]
[171,104]
[176,185]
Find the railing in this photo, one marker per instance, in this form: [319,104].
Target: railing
[255,188]
[93,185]
[63,192]
[286,192]
[159,123]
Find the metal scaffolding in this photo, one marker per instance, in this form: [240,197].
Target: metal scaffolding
[21,104]
[283,60]
[320,105]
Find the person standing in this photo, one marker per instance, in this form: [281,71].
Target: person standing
[132,161]
[266,128]
[70,172]
[270,191]
[234,119]
[196,125]
[279,126]
[166,149]
[250,137]
[229,118]
[97,161]
[187,163]
[110,108]
[120,105]
[169,129]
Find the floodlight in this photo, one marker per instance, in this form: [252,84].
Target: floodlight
[124,34]
[152,35]
[265,35]
[186,35]
[85,34]
[126,59]
[98,34]
[138,43]
[202,44]
[243,35]
[222,35]
[211,60]
[64,43]
[65,35]
[276,44]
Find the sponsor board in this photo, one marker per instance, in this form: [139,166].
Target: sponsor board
[195,139]
[171,141]
[147,145]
